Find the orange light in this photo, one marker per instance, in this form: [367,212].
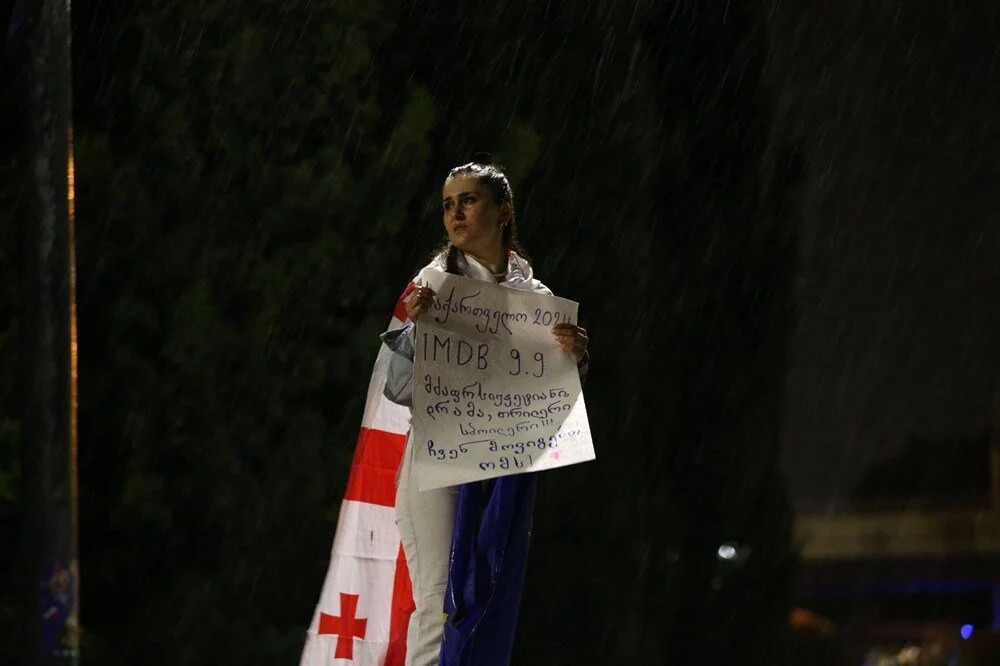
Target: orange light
[73,622]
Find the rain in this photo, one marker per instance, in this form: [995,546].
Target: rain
[779,221]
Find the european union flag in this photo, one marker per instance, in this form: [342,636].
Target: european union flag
[486,573]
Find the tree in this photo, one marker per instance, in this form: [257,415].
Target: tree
[258,181]
[238,184]
[653,174]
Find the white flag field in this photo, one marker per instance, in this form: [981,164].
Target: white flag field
[493,392]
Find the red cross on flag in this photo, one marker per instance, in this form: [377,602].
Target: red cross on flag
[346,627]
[366,601]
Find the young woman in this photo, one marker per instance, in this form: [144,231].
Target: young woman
[478,209]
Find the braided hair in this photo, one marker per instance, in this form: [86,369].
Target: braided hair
[493,179]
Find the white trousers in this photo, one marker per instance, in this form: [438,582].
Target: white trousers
[425,520]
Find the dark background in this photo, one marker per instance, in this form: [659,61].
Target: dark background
[779,223]
[899,283]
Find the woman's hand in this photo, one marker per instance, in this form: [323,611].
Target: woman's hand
[420,300]
[572,339]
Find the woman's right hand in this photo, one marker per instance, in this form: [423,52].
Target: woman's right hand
[420,300]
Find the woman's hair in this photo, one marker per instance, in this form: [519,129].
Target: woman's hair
[493,179]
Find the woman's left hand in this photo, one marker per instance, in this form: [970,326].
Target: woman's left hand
[572,338]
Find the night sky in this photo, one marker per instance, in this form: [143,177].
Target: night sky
[897,105]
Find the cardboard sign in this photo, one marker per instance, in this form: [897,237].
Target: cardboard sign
[493,392]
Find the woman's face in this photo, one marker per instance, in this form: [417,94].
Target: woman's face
[472,218]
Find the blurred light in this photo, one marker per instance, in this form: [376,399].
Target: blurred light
[966,631]
[727,551]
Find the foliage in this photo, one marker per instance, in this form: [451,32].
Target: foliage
[660,197]
[256,181]
[232,217]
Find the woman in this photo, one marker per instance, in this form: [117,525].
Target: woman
[478,209]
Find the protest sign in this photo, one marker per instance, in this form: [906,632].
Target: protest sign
[493,392]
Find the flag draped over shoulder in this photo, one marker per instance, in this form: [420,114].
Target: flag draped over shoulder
[367,599]
[366,602]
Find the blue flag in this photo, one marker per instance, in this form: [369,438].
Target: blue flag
[486,573]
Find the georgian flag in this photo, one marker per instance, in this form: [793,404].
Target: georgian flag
[366,602]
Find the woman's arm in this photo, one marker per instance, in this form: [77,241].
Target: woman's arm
[399,375]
